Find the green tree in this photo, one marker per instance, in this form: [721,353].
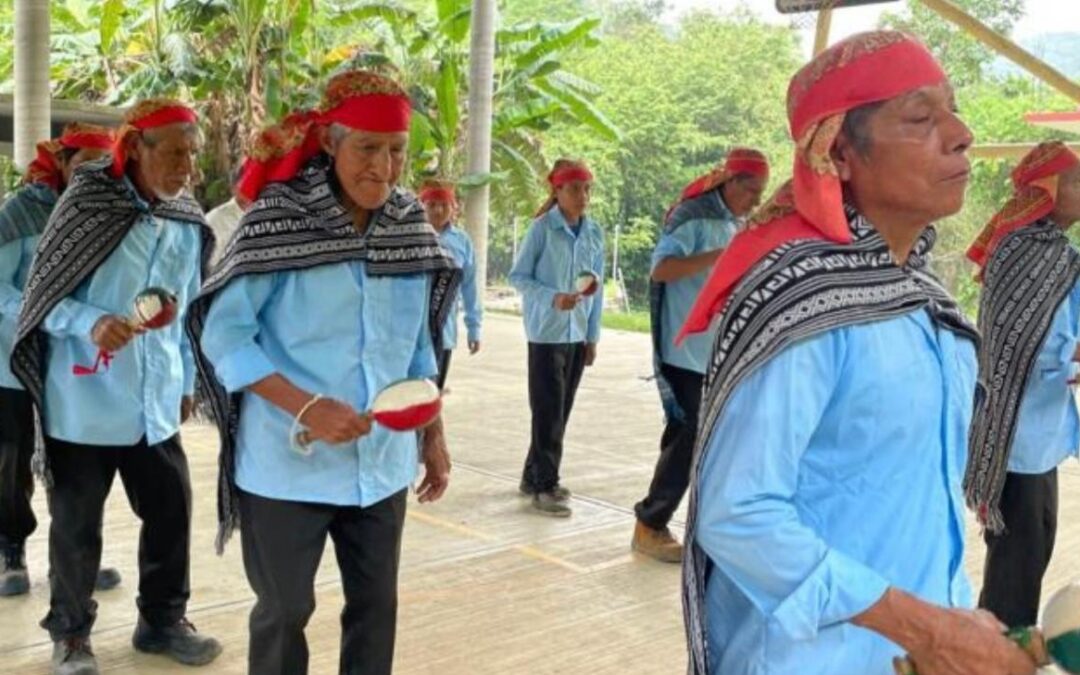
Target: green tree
[683,98]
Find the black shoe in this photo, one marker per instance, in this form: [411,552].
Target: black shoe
[559,492]
[549,504]
[14,580]
[73,656]
[108,578]
[179,641]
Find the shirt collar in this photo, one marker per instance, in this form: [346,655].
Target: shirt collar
[557,221]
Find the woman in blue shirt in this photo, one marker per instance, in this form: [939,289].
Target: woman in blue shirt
[562,324]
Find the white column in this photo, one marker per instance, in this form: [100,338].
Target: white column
[481,86]
[32,96]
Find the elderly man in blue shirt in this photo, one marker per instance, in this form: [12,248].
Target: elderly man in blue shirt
[696,231]
[1028,424]
[334,287]
[562,323]
[440,205]
[826,512]
[120,226]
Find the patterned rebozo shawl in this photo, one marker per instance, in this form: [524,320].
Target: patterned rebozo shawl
[1027,277]
[705,206]
[1028,268]
[801,289]
[90,219]
[300,224]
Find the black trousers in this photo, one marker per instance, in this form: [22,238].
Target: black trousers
[158,488]
[444,367]
[1017,559]
[282,544]
[17,521]
[672,474]
[554,375]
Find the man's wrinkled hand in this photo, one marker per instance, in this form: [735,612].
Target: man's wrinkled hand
[112,333]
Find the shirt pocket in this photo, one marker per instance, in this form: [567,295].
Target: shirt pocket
[396,311]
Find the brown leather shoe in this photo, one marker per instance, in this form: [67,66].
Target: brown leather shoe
[657,544]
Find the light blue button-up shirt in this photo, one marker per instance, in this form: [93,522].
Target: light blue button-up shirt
[139,395]
[834,473]
[331,330]
[691,238]
[552,256]
[15,259]
[456,241]
[1047,426]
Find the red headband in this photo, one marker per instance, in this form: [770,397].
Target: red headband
[438,194]
[45,169]
[87,139]
[754,166]
[561,177]
[378,113]
[168,114]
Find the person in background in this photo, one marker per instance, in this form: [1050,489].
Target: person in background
[697,229]
[562,324]
[1029,317]
[22,220]
[441,206]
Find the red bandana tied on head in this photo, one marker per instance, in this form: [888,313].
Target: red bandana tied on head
[563,175]
[1035,184]
[865,68]
[564,172]
[357,99]
[149,114]
[740,161]
[46,170]
[433,190]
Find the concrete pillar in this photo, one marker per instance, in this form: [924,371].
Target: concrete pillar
[32,95]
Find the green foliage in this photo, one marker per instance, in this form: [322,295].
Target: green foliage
[660,89]
[636,321]
[249,62]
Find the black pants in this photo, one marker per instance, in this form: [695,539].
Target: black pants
[17,520]
[1017,559]
[283,542]
[158,488]
[672,474]
[444,367]
[554,375]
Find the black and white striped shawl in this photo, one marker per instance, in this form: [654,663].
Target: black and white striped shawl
[799,290]
[1028,276]
[91,218]
[297,225]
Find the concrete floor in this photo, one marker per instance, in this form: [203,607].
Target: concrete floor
[486,586]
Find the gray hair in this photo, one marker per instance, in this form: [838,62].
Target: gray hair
[856,127]
[338,132]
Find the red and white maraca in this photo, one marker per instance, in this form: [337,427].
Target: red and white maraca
[154,308]
[586,284]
